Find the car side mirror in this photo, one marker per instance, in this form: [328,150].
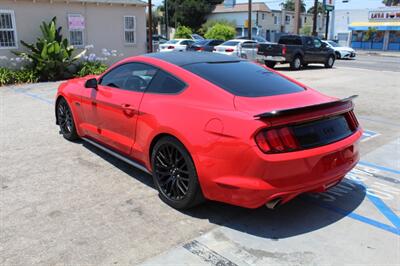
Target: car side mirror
[91,83]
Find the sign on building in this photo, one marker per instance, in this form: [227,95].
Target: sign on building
[387,15]
[76,22]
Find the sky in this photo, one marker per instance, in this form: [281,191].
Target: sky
[353,4]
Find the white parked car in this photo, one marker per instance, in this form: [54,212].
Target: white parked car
[236,47]
[342,52]
[179,45]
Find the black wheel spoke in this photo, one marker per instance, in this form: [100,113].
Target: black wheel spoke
[172,172]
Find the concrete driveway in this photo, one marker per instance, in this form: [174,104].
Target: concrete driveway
[70,203]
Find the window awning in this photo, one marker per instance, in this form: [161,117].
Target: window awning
[392,25]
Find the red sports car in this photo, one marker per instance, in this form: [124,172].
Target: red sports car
[211,126]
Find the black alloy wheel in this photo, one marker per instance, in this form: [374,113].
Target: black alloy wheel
[174,174]
[66,120]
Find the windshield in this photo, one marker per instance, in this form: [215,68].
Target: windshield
[172,41]
[202,42]
[334,44]
[230,43]
[243,78]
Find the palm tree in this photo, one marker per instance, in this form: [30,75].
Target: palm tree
[289,5]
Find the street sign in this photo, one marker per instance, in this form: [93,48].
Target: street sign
[329,5]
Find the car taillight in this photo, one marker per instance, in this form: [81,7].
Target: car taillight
[199,48]
[284,50]
[214,49]
[352,120]
[229,50]
[170,47]
[276,140]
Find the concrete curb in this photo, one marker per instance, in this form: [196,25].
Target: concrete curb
[378,53]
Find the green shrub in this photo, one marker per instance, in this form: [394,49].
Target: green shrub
[51,56]
[6,76]
[220,32]
[183,32]
[91,68]
[26,76]
[210,23]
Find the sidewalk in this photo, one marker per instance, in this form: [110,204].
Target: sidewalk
[378,53]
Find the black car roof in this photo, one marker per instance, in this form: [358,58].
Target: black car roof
[187,58]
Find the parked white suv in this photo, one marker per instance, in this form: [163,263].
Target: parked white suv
[235,47]
[179,45]
[341,52]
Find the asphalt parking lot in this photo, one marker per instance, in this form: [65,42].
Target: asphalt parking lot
[70,203]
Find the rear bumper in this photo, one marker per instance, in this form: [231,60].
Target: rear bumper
[271,58]
[260,178]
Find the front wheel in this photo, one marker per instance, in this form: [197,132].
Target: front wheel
[330,61]
[65,120]
[175,175]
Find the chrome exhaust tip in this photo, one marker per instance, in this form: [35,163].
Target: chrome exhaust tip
[273,203]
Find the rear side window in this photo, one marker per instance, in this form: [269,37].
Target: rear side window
[243,78]
[290,40]
[165,83]
[230,43]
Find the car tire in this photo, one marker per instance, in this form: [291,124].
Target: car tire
[174,174]
[330,61]
[65,120]
[296,63]
[338,55]
[270,64]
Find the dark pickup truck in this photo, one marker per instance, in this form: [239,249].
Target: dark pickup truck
[296,50]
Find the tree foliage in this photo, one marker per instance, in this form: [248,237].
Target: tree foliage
[290,5]
[210,23]
[391,2]
[320,9]
[220,32]
[183,32]
[191,13]
[51,55]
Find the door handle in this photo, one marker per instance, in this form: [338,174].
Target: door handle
[128,109]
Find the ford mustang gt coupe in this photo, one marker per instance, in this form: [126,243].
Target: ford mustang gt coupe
[212,126]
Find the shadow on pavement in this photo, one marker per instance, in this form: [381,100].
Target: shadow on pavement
[306,213]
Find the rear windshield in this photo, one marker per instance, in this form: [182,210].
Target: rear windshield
[230,43]
[172,41]
[243,78]
[201,42]
[290,40]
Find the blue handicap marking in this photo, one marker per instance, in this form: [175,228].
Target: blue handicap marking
[380,205]
[368,134]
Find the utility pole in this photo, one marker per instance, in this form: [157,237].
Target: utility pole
[166,18]
[297,10]
[314,27]
[327,25]
[150,49]
[249,26]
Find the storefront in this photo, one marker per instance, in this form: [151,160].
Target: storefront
[381,32]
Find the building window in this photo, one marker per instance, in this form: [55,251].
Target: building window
[8,32]
[275,20]
[76,26]
[262,16]
[305,19]
[130,29]
[287,19]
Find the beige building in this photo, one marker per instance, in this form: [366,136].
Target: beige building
[267,23]
[111,28]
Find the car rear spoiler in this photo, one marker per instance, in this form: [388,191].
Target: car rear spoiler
[315,107]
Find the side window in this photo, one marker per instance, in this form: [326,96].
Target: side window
[165,83]
[249,45]
[184,43]
[131,77]
[309,42]
[317,43]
